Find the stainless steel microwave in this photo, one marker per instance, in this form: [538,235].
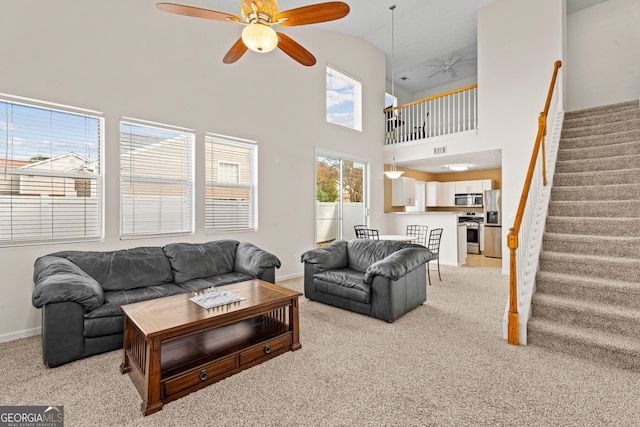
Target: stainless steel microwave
[469,200]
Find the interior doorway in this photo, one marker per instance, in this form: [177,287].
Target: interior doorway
[341,196]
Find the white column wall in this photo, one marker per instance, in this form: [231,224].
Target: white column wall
[518,43]
[603,55]
[126,58]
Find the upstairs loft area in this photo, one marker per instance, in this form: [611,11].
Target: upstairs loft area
[447,113]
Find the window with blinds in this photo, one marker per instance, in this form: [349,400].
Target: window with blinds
[344,100]
[231,184]
[156,179]
[50,173]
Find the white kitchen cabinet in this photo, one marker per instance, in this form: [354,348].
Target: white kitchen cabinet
[440,194]
[419,202]
[462,187]
[487,184]
[403,191]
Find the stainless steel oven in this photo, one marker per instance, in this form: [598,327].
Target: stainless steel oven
[472,221]
[470,200]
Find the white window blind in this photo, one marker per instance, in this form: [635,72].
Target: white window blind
[344,100]
[231,186]
[50,173]
[156,179]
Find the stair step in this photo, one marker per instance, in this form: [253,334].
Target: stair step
[600,128]
[598,140]
[618,227]
[616,350]
[596,192]
[592,289]
[584,244]
[613,163]
[602,110]
[622,176]
[603,317]
[600,151]
[595,208]
[615,268]
[571,122]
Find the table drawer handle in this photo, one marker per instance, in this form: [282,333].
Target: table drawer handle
[203,375]
[267,349]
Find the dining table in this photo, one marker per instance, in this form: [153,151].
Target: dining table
[397,237]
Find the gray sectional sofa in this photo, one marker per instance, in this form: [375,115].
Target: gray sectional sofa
[382,279]
[80,292]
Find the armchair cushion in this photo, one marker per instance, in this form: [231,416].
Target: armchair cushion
[398,264]
[345,283]
[363,252]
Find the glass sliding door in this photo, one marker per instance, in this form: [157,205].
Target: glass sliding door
[341,188]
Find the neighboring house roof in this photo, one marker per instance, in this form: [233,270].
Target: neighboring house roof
[14,163]
[49,163]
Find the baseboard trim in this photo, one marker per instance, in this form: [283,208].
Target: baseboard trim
[12,336]
[289,276]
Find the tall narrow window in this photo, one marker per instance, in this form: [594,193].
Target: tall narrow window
[156,179]
[344,100]
[232,187]
[50,181]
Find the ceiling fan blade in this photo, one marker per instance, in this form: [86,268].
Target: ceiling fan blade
[435,74]
[452,61]
[295,50]
[321,12]
[236,51]
[453,73]
[196,12]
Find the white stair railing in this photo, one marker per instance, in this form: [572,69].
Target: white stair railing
[443,114]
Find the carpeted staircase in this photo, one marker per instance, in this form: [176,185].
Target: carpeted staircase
[587,300]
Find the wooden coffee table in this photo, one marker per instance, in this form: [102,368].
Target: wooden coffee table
[173,347]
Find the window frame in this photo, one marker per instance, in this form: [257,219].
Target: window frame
[98,177]
[252,187]
[188,181]
[341,76]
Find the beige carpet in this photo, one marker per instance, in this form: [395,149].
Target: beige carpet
[443,364]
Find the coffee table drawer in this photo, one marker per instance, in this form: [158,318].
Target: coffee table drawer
[199,376]
[265,349]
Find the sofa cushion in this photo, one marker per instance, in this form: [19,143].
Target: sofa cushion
[217,280]
[344,283]
[194,261]
[363,252]
[114,299]
[124,269]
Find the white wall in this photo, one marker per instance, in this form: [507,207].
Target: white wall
[603,57]
[518,43]
[126,58]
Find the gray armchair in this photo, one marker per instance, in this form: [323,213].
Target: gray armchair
[379,278]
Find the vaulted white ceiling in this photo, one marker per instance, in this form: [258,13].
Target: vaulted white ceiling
[427,33]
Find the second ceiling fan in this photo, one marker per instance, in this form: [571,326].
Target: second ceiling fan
[259,16]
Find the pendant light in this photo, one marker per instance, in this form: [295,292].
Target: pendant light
[393,173]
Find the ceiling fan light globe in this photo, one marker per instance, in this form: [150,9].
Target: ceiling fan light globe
[259,38]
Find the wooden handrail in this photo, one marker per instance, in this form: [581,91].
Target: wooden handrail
[431,98]
[513,333]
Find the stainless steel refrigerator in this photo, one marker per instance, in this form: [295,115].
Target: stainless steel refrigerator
[492,224]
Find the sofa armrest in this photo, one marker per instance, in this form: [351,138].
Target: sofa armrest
[328,257]
[58,280]
[253,261]
[398,264]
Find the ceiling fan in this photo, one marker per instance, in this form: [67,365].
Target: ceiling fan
[446,67]
[258,16]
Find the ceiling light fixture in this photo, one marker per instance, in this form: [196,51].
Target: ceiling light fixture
[458,167]
[259,37]
[393,173]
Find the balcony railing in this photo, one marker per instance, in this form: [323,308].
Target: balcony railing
[443,114]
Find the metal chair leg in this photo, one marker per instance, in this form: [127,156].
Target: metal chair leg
[428,274]
[440,277]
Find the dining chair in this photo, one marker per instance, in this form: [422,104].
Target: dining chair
[434,246]
[359,232]
[371,234]
[419,232]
